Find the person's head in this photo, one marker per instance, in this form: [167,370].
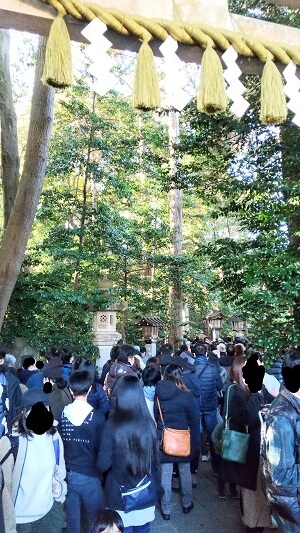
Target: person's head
[35,402]
[153,361]
[80,383]
[291,372]
[236,373]
[108,521]
[230,349]
[173,373]
[222,347]
[126,354]
[53,372]
[151,376]
[67,358]
[9,360]
[39,365]
[54,351]
[199,350]
[86,364]
[114,352]
[29,363]
[239,349]
[167,349]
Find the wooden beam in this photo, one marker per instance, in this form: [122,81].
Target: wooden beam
[34,17]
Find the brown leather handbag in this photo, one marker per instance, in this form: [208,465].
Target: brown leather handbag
[176,442]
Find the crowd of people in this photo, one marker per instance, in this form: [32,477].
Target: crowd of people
[84,453]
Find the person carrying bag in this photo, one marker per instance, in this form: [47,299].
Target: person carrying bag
[235,444]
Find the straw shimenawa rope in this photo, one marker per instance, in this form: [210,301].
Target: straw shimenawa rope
[146,29]
[212,96]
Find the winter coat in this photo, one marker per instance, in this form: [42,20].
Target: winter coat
[24,374]
[281,455]
[110,459]
[66,370]
[116,372]
[12,471]
[98,399]
[180,411]
[210,383]
[243,411]
[276,370]
[13,393]
[59,398]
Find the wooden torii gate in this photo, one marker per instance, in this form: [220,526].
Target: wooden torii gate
[36,17]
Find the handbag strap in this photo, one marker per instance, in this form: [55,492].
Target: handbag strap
[160,412]
[227,402]
[204,368]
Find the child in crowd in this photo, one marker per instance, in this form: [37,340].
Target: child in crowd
[109,521]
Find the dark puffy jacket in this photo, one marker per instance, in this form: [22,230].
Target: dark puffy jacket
[281,456]
[98,399]
[13,394]
[276,370]
[210,383]
[179,410]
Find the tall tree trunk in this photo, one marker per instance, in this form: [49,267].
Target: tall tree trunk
[290,137]
[175,199]
[20,223]
[10,161]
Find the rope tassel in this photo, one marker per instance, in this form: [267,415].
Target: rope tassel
[273,108]
[58,62]
[212,96]
[146,94]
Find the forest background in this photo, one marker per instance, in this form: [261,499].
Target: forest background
[105,211]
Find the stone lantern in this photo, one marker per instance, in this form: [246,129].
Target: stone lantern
[150,325]
[215,321]
[105,324]
[239,326]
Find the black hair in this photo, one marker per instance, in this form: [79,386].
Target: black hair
[77,362]
[126,351]
[88,366]
[108,518]
[153,361]
[114,352]
[173,372]
[28,361]
[19,423]
[134,431]
[66,358]
[54,351]
[151,375]
[167,349]
[292,359]
[199,349]
[80,381]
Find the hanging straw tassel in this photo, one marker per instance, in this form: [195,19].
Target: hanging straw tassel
[58,62]
[146,94]
[273,108]
[212,96]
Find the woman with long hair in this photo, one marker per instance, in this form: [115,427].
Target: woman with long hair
[179,411]
[243,415]
[129,452]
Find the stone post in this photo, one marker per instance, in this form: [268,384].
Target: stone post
[105,334]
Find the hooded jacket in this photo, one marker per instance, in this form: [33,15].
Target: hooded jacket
[179,410]
[13,393]
[81,428]
[281,456]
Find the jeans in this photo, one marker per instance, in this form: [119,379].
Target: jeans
[208,420]
[166,482]
[138,529]
[52,522]
[84,493]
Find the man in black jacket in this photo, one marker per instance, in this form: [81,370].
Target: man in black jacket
[211,384]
